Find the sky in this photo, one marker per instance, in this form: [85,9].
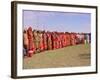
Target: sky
[57,21]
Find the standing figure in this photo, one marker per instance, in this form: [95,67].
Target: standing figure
[63,41]
[25,42]
[72,39]
[37,38]
[88,41]
[44,40]
[35,35]
[67,39]
[48,40]
[89,37]
[41,41]
[31,47]
[54,40]
[77,38]
[57,40]
[83,38]
[61,45]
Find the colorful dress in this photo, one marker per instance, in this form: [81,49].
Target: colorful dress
[31,47]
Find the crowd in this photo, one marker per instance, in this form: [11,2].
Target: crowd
[35,41]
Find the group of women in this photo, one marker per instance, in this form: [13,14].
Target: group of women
[36,41]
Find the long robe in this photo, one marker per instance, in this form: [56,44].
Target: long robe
[49,41]
[54,40]
[41,42]
[72,39]
[31,47]
[44,41]
[25,43]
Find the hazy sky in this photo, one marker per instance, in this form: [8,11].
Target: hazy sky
[57,21]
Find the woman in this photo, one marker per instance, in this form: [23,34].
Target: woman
[44,40]
[49,41]
[54,40]
[72,39]
[31,47]
[41,40]
[25,42]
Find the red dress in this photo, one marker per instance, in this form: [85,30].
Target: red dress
[54,41]
[31,47]
[67,39]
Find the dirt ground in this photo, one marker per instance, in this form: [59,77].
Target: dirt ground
[71,56]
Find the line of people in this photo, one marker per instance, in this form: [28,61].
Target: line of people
[35,41]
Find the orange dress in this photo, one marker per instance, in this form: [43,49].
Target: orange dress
[44,41]
[41,42]
[54,41]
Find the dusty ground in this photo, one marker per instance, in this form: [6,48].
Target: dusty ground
[71,56]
